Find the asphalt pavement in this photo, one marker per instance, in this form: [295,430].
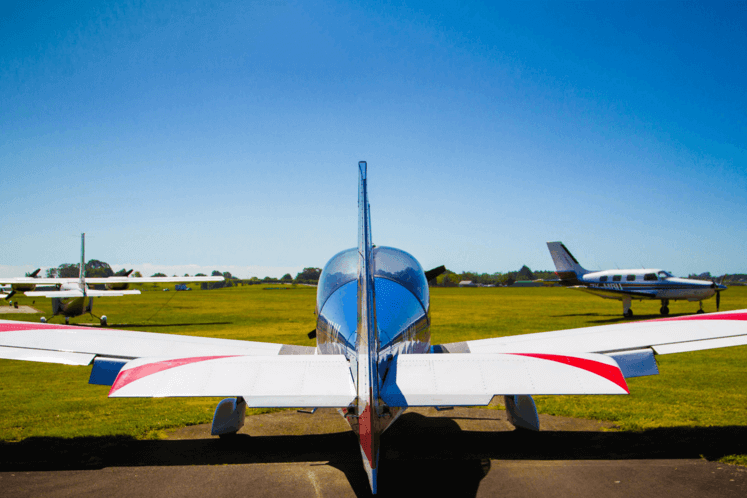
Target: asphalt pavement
[460,452]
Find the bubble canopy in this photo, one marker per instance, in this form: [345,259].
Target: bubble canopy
[389,263]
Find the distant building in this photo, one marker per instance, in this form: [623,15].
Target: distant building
[467,283]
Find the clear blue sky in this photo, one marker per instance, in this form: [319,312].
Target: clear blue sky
[227,135]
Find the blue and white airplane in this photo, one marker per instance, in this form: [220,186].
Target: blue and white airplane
[626,285]
[373,357]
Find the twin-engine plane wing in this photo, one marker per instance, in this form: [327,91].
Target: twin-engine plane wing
[71,296]
[374,356]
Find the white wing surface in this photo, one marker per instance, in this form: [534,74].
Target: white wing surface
[263,381]
[473,380]
[147,280]
[28,339]
[79,293]
[663,336]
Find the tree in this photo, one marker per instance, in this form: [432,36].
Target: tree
[200,275]
[287,278]
[137,274]
[309,275]
[216,273]
[186,274]
[158,275]
[525,274]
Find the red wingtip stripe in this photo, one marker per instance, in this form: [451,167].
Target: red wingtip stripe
[609,372]
[740,315]
[131,375]
[20,326]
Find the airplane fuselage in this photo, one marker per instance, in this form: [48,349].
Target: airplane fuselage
[647,284]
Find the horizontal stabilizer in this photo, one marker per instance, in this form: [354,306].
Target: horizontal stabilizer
[45,356]
[473,380]
[278,381]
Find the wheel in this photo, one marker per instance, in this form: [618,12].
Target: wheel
[700,311]
[229,436]
[102,320]
[664,310]
[67,320]
[628,314]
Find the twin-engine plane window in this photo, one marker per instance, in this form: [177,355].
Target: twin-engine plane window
[616,278]
[630,278]
[603,279]
[650,276]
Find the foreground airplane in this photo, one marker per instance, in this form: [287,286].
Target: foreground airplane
[72,296]
[626,285]
[373,357]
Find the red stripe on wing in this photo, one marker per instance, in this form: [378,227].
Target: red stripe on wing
[18,326]
[609,372]
[740,315]
[131,375]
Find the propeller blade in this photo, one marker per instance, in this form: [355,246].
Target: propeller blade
[718,300]
[312,334]
[127,274]
[431,274]
[35,273]
[12,293]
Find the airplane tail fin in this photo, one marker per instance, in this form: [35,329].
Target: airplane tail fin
[566,266]
[367,426]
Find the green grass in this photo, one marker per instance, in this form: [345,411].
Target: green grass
[700,389]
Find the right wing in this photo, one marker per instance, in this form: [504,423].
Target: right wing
[148,280]
[79,293]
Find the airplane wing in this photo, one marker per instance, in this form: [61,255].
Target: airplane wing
[147,280]
[78,293]
[37,281]
[612,293]
[631,344]
[145,364]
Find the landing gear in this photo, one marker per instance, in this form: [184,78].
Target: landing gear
[67,320]
[102,320]
[627,312]
[701,307]
[664,310]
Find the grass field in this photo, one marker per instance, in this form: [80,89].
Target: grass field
[699,389]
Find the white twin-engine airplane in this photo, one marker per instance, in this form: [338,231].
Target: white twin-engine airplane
[373,357]
[626,285]
[72,296]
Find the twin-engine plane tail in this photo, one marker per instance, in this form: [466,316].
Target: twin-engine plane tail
[567,267]
[367,343]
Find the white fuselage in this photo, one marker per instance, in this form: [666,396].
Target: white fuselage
[646,284]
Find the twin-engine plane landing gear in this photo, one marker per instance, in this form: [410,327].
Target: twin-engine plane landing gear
[627,312]
[664,310]
[701,307]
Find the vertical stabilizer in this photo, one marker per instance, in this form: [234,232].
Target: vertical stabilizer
[367,339]
[566,266]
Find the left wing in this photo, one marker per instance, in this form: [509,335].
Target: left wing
[148,280]
[146,364]
[612,293]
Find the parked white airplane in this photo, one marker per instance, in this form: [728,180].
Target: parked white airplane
[373,357]
[72,296]
[626,285]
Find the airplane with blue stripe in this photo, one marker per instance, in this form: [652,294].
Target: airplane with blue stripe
[627,285]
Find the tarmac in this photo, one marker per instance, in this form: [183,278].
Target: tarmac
[460,452]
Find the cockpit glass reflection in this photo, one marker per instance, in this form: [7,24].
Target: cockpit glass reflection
[402,268]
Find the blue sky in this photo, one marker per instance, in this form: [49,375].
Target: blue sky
[226,135]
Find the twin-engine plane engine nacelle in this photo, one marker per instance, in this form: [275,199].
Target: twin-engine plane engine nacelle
[23,287]
[119,286]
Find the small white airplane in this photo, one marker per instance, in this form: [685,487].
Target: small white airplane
[72,296]
[373,357]
[626,285]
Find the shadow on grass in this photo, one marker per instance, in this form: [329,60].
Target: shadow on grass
[445,459]
[154,325]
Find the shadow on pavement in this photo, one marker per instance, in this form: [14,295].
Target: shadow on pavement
[420,454]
